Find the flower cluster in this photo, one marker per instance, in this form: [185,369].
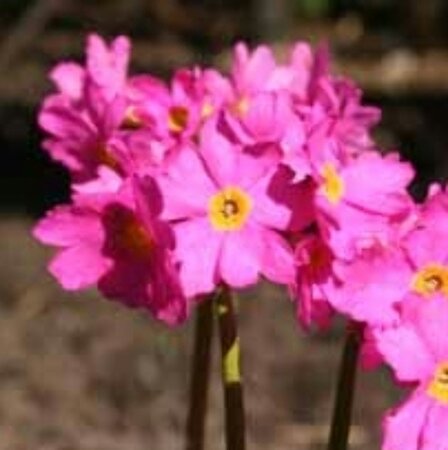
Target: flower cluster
[269,171]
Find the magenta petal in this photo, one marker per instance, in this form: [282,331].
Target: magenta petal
[423,245]
[267,117]
[277,263]
[197,250]
[219,154]
[240,257]
[280,204]
[404,350]
[252,71]
[388,194]
[78,267]
[108,66]
[403,428]
[436,431]
[57,118]
[371,287]
[69,79]
[187,188]
[430,319]
[169,303]
[69,225]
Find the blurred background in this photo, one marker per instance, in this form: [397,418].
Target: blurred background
[79,373]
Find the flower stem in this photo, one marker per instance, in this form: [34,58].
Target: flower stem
[200,375]
[231,371]
[342,412]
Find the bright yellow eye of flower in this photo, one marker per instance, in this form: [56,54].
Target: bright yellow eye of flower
[333,185]
[229,209]
[131,120]
[240,107]
[438,388]
[431,279]
[207,109]
[177,119]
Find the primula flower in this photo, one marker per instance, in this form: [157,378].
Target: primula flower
[225,205]
[116,242]
[176,113]
[351,208]
[93,107]
[338,101]
[418,353]
[377,286]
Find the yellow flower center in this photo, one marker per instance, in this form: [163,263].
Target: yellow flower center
[431,279]
[333,185]
[229,209]
[240,107]
[438,388]
[131,120]
[177,119]
[207,109]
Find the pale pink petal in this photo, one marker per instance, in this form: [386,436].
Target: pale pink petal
[108,66]
[280,204]
[62,121]
[435,435]
[252,71]
[430,320]
[371,287]
[69,79]
[69,225]
[277,260]
[197,250]
[79,267]
[219,154]
[423,246]
[268,116]
[186,188]
[405,351]
[239,261]
[403,428]
[387,195]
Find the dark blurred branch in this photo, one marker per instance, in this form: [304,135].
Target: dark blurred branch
[26,30]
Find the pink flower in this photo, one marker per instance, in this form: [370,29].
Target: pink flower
[352,207]
[378,284]
[418,354]
[175,114]
[372,286]
[225,206]
[77,139]
[349,121]
[116,242]
[93,110]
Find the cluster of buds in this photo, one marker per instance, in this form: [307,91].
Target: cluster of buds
[269,171]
